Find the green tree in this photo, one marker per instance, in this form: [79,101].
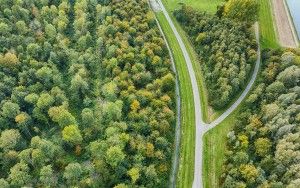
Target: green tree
[109,91]
[112,111]
[87,116]
[38,157]
[249,172]
[290,76]
[9,139]
[168,82]
[4,183]
[114,156]
[79,86]
[134,174]
[45,74]
[47,177]
[9,60]
[34,50]
[50,31]
[73,173]
[4,29]
[47,147]
[10,110]
[19,175]
[45,101]
[62,116]
[72,134]
[32,98]
[121,185]
[21,27]
[262,146]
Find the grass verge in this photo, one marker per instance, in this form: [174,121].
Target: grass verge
[268,37]
[214,143]
[203,5]
[187,145]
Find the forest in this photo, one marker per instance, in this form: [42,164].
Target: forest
[87,95]
[226,49]
[263,148]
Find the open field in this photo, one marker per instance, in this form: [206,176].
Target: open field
[186,171]
[267,30]
[214,151]
[283,24]
[203,5]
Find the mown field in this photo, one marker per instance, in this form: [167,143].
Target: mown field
[214,143]
[266,23]
[203,5]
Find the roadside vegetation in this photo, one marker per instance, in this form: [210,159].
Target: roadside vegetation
[87,95]
[264,143]
[187,145]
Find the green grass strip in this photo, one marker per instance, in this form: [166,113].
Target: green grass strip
[268,37]
[203,5]
[187,153]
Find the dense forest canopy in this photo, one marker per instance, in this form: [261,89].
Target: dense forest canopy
[87,95]
[263,148]
[226,49]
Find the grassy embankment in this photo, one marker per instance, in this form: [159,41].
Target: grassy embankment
[187,145]
[268,37]
[203,5]
[214,142]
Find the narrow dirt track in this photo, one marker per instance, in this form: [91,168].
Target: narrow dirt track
[283,24]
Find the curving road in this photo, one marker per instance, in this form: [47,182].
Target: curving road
[201,126]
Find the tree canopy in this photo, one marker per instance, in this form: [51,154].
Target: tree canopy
[87,95]
[269,123]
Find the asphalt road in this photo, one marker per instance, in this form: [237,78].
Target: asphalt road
[201,126]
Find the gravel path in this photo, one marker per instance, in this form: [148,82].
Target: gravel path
[284,25]
[201,126]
